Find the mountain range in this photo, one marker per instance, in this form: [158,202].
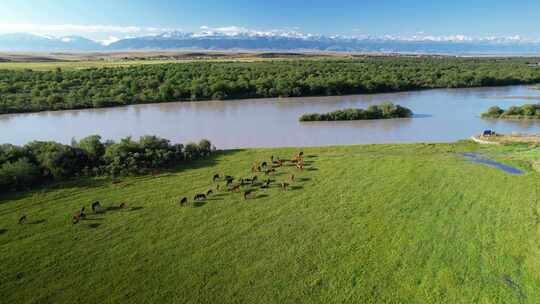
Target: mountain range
[274,41]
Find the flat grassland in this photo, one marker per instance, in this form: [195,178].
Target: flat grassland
[81,61]
[362,224]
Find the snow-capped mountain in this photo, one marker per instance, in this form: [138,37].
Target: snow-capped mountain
[235,38]
[34,43]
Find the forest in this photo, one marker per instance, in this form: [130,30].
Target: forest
[385,110]
[32,91]
[40,162]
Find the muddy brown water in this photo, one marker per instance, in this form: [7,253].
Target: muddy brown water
[440,116]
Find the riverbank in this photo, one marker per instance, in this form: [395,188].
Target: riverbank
[507,139]
[370,223]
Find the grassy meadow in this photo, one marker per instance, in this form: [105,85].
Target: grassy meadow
[94,64]
[361,224]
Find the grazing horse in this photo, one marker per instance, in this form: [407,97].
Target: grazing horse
[199,196]
[247,193]
[209,192]
[215,178]
[95,206]
[183,201]
[78,216]
[284,186]
[123,205]
[22,219]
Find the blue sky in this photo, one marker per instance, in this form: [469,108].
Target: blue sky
[120,18]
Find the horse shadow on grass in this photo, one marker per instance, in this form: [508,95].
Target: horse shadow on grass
[259,196]
[294,188]
[2,231]
[37,222]
[93,219]
[94,225]
[112,208]
[199,204]
[214,199]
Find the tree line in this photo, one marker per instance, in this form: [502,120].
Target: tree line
[386,110]
[31,91]
[40,162]
[527,111]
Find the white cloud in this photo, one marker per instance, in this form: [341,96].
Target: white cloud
[97,32]
[111,39]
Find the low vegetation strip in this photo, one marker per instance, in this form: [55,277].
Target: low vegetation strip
[361,224]
[386,110]
[41,162]
[527,111]
[32,91]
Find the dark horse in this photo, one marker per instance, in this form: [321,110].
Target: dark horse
[183,201]
[95,206]
[199,196]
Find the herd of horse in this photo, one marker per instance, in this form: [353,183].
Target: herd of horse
[253,183]
[232,185]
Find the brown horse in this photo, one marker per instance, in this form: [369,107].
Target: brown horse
[236,188]
[78,216]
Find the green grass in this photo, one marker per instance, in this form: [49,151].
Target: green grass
[367,224]
[87,64]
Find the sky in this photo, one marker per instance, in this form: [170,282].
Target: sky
[115,19]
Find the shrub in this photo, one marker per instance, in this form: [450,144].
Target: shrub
[18,174]
[527,111]
[42,161]
[384,111]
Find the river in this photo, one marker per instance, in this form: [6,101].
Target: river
[443,115]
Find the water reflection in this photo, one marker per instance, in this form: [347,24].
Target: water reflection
[442,116]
